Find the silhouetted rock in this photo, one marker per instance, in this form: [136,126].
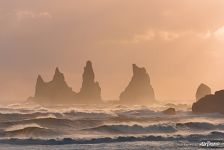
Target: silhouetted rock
[169,111]
[210,103]
[55,91]
[90,91]
[139,90]
[58,92]
[202,91]
[39,86]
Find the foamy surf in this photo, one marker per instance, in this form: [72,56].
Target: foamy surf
[81,125]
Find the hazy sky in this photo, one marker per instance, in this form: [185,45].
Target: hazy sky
[180,42]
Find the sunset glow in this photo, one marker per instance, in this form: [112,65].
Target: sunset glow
[111,74]
[180,42]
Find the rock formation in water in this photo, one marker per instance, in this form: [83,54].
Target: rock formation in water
[202,91]
[139,90]
[169,111]
[55,91]
[58,92]
[212,103]
[90,91]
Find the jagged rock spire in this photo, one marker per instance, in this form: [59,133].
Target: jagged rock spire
[90,89]
[58,92]
[55,91]
[39,85]
[88,75]
[40,79]
[139,90]
[58,76]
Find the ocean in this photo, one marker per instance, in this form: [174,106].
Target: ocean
[28,127]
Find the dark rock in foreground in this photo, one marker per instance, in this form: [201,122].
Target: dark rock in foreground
[202,91]
[210,103]
[169,111]
[58,92]
[139,90]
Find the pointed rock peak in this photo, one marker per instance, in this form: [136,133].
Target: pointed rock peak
[88,68]
[203,85]
[58,74]
[40,79]
[88,74]
[89,64]
[134,66]
[139,89]
[57,70]
[90,89]
[39,85]
[137,69]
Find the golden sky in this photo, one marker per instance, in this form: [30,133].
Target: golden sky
[180,42]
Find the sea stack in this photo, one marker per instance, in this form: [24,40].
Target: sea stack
[202,91]
[90,91]
[55,91]
[139,90]
[58,92]
[210,103]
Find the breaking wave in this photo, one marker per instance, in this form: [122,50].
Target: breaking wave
[191,138]
[157,128]
[135,129]
[30,132]
[200,126]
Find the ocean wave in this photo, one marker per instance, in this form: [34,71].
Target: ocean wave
[122,113]
[88,114]
[21,116]
[55,123]
[30,132]
[137,111]
[134,129]
[191,138]
[156,128]
[200,126]
[117,125]
[19,126]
